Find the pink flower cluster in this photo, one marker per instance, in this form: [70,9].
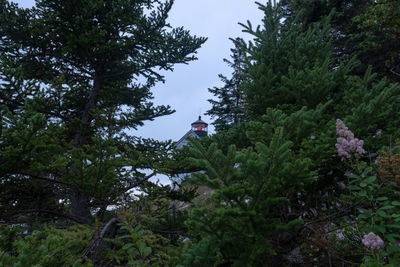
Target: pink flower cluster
[346,144]
[372,241]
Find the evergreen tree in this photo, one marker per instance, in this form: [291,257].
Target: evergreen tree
[294,81]
[365,28]
[71,72]
[378,30]
[251,187]
[287,65]
[228,109]
[293,69]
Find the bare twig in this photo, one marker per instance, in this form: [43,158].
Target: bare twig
[393,72]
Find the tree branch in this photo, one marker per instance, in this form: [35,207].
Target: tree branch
[44,179]
[19,104]
[140,182]
[54,213]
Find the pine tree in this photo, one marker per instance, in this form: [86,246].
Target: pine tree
[228,109]
[86,59]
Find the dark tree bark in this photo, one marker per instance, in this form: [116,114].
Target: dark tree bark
[79,200]
[80,206]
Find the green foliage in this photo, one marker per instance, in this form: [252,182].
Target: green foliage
[203,253]
[368,29]
[229,108]
[137,243]
[236,135]
[297,80]
[378,34]
[69,90]
[50,247]
[277,191]
[251,187]
[30,147]
[289,67]
[379,212]
[370,107]
[155,218]
[8,236]
[136,250]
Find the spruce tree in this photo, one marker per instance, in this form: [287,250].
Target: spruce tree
[250,187]
[294,69]
[92,64]
[294,81]
[228,109]
[377,34]
[368,29]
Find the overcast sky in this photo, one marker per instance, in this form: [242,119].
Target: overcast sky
[185,89]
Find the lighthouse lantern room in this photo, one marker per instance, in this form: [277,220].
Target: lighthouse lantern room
[200,127]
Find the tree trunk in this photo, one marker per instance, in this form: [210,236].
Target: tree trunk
[80,207]
[80,139]
[80,200]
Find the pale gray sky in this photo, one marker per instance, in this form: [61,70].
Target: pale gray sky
[185,89]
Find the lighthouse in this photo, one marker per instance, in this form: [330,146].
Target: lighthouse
[199,129]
